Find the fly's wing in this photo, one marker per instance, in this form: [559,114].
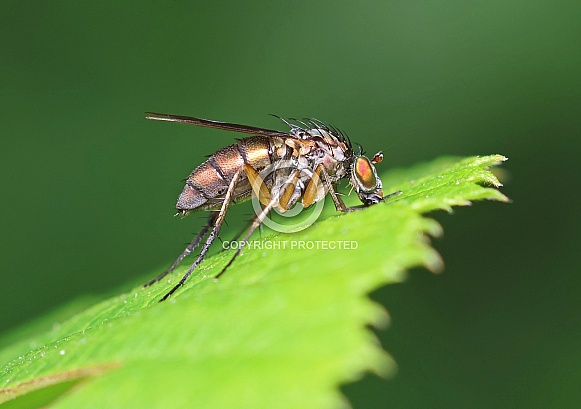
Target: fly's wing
[216,124]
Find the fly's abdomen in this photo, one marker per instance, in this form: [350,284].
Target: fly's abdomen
[256,151]
[207,184]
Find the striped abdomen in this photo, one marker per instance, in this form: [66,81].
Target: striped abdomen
[207,184]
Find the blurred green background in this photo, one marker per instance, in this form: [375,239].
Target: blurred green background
[89,186]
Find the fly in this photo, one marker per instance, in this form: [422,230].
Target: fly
[319,156]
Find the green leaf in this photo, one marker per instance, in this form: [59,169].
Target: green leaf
[283,328]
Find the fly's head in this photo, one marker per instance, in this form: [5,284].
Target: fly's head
[364,179]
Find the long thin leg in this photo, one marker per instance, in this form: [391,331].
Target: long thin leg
[339,204]
[245,228]
[258,221]
[363,206]
[397,192]
[212,236]
[187,251]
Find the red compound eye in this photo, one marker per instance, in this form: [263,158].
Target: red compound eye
[364,173]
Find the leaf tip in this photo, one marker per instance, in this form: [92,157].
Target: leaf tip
[434,262]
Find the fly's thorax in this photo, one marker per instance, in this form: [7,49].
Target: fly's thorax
[336,165]
[334,154]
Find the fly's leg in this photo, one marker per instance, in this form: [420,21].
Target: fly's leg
[311,193]
[397,192]
[261,216]
[330,187]
[359,207]
[339,204]
[239,234]
[214,233]
[187,251]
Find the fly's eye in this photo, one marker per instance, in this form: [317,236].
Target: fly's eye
[364,173]
[377,158]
